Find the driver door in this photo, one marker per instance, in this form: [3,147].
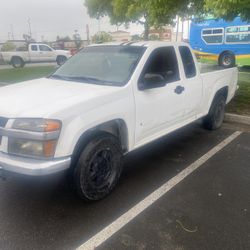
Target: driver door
[159,96]
[46,53]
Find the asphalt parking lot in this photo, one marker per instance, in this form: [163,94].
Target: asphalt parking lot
[208,209]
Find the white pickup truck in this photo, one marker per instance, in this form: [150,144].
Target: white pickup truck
[104,102]
[36,53]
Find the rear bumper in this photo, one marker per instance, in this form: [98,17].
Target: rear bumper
[33,167]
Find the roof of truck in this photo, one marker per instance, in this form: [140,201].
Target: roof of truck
[141,43]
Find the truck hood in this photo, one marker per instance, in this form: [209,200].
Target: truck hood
[42,97]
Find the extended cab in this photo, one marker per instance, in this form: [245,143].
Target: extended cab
[104,102]
[36,53]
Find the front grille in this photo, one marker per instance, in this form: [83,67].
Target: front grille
[3,122]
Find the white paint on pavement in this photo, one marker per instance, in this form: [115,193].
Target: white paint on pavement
[124,219]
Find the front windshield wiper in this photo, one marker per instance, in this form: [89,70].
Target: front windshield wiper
[59,77]
[84,79]
[88,79]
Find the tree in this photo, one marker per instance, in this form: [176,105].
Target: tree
[154,37]
[229,9]
[8,47]
[136,37]
[77,39]
[28,38]
[146,12]
[101,37]
[63,38]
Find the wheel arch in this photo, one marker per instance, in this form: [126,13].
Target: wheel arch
[61,56]
[117,128]
[222,91]
[19,57]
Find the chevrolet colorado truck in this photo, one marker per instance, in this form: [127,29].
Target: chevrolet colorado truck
[103,103]
[36,53]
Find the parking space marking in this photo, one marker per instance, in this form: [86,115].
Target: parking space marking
[124,219]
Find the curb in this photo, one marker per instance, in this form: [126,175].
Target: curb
[237,119]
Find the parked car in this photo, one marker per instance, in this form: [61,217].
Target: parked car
[103,103]
[36,53]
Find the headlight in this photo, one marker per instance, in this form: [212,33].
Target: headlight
[37,125]
[35,144]
[38,149]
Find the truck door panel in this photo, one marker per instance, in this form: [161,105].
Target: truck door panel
[192,83]
[159,107]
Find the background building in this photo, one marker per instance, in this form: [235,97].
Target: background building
[120,36]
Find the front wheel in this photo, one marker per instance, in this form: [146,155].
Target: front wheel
[215,117]
[99,168]
[61,60]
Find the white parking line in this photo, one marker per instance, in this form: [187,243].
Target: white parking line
[124,219]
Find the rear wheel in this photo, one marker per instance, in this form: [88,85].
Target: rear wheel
[98,168]
[17,62]
[227,60]
[215,117]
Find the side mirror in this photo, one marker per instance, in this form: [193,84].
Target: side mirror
[151,81]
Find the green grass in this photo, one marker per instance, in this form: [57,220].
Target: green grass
[24,74]
[241,103]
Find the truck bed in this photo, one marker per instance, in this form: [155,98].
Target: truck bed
[216,77]
[206,68]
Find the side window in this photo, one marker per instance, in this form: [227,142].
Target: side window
[163,64]
[34,47]
[238,35]
[188,62]
[212,36]
[44,48]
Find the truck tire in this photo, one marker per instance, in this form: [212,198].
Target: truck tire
[17,62]
[98,168]
[60,60]
[227,60]
[215,117]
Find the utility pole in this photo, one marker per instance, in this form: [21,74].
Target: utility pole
[12,32]
[87,32]
[177,29]
[188,29]
[182,29]
[99,25]
[30,28]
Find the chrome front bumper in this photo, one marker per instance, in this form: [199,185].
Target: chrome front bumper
[33,167]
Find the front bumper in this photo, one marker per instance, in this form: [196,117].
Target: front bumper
[33,167]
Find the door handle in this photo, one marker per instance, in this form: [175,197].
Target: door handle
[179,89]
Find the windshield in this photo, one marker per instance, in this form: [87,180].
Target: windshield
[106,65]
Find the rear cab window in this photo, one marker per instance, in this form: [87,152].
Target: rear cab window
[188,62]
[34,48]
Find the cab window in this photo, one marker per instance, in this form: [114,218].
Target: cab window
[188,61]
[162,64]
[44,48]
